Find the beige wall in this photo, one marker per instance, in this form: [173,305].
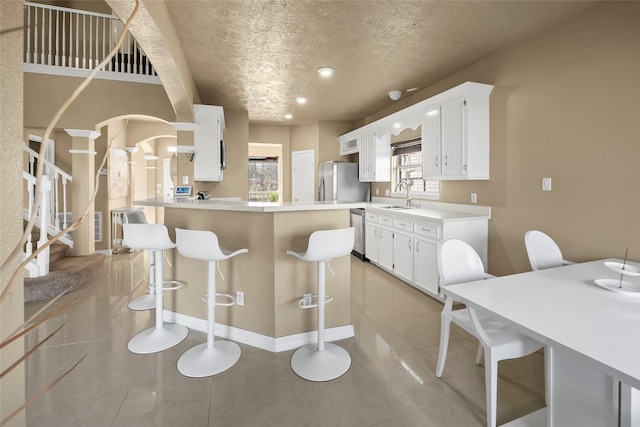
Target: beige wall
[101,100]
[329,147]
[566,105]
[12,391]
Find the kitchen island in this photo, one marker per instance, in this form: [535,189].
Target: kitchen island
[272,282]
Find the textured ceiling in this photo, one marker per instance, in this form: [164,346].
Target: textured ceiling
[258,55]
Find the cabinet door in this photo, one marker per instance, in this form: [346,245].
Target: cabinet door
[385,248]
[431,156]
[206,138]
[371,242]
[426,265]
[403,255]
[363,158]
[454,155]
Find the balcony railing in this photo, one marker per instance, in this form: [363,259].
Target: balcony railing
[58,38]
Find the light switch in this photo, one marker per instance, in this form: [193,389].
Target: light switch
[185,180]
[546,184]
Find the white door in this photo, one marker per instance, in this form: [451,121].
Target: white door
[302,176]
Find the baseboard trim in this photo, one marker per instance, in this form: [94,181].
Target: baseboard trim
[254,339]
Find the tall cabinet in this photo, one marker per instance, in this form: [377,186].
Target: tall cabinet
[207,138]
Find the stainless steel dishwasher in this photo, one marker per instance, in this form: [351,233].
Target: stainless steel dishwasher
[357,221]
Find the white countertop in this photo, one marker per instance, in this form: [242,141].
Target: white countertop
[226,205]
[440,215]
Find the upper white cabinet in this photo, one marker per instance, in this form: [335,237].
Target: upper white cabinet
[349,143]
[207,138]
[375,156]
[455,134]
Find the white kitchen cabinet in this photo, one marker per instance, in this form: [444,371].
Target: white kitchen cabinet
[385,241]
[403,255]
[349,143]
[371,236]
[455,134]
[207,139]
[375,156]
[407,244]
[425,256]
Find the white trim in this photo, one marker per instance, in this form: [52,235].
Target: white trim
[83,133]
[254,339]
[57,70]
[185,126]
[74,151]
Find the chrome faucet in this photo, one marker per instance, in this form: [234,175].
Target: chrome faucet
[405,184]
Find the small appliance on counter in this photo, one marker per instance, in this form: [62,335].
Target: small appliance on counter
[183,191]
[203,195]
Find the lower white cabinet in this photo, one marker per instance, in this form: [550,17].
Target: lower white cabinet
[385,247]
[408,247]
[371,238]
[425,260]
[403,255]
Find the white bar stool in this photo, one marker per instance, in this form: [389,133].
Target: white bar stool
[212,357]
[324,361]
[155,239]
[148,301]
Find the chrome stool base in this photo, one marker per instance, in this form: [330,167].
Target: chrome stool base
[314,365]
[202,361]
[154,339]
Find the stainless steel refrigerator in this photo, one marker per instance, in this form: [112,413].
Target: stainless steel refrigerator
[338,182]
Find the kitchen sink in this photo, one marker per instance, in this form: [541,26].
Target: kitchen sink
[397,207]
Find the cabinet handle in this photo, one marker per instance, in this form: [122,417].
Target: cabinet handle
[436,161]
[464,168]
[418,246]
[409,244]
[446,160]
[427,230]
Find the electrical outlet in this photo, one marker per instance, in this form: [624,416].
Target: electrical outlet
[387,192]
[306,300]
[239,298]
[185,180]
[474,197]
[546,184]
[377,191]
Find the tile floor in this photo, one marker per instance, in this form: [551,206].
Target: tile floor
[390,383]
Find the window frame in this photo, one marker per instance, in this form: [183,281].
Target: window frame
[409,146]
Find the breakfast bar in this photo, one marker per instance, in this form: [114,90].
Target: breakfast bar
[272,282]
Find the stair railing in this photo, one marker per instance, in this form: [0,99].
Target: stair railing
[62,37]
[51,219]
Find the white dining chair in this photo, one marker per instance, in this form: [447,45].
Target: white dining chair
[459,263]
[543,252]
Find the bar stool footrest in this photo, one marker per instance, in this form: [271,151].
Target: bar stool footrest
[327,300]
[205,298]
[178,284]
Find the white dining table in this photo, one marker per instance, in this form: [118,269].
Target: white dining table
[592,335]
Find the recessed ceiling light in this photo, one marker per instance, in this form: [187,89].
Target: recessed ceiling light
[325,71]
[301,100]
[288,116]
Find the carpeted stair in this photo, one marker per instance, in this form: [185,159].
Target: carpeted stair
[66,274]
